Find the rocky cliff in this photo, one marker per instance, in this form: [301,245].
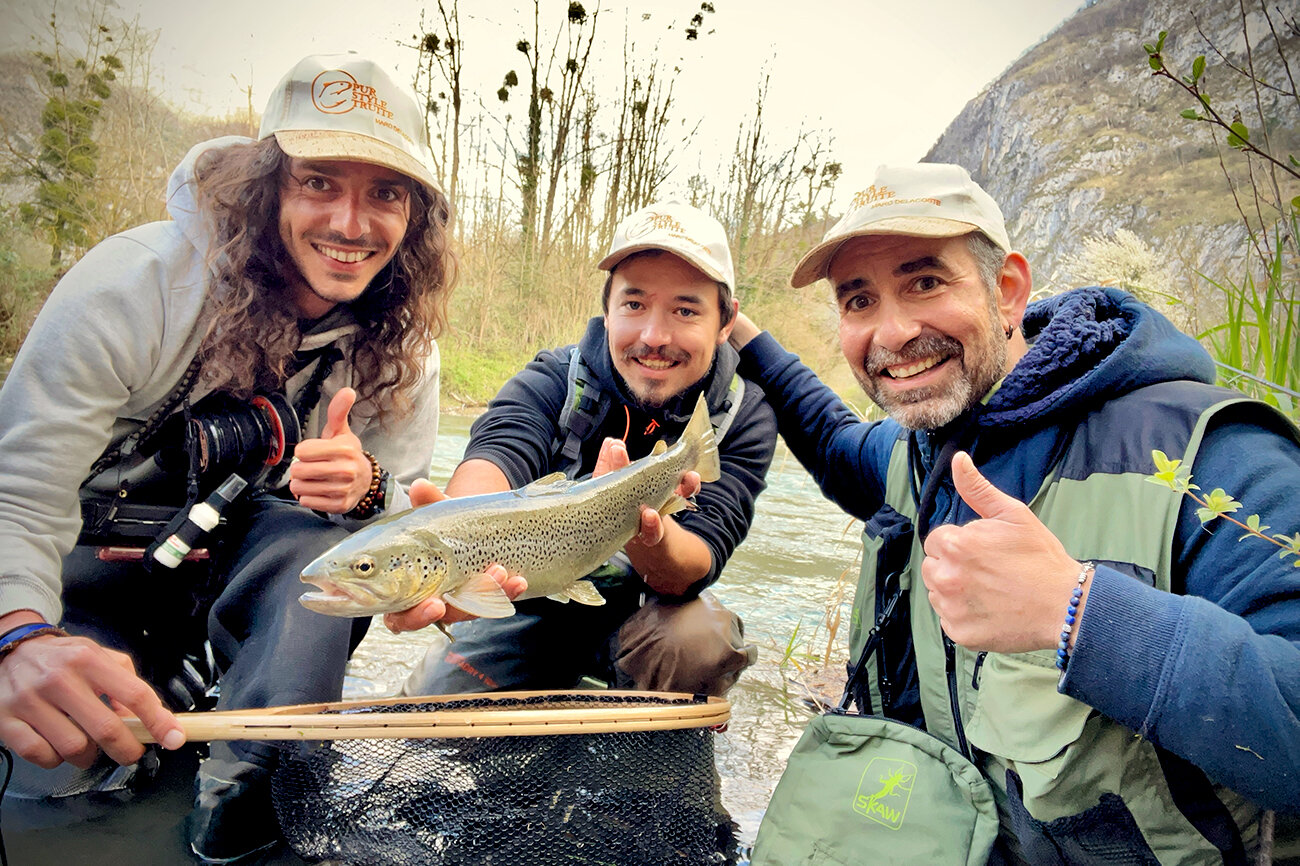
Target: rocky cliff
[1077,139]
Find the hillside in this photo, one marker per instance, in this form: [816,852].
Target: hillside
[1077,139]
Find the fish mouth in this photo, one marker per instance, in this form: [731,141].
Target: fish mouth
[332,596]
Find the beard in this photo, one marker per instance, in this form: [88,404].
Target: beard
[651,398]
[930,407]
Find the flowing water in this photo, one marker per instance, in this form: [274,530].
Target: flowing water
[779,581]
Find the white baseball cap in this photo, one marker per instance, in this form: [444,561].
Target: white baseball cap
[679,229]
[345,106]
[932,200]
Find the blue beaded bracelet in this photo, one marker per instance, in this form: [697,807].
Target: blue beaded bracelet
[1071,616]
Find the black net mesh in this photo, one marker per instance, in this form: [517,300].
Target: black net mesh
[640,797]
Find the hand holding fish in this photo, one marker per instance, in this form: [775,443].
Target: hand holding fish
[434,609]
[613,456]
[331,473]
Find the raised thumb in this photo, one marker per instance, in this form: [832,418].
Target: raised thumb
[978,492]
[336,418]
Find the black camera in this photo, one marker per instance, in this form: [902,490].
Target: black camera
[229,446]
[247,439]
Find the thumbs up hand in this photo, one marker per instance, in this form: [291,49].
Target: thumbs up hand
[331,473]
[1000,583]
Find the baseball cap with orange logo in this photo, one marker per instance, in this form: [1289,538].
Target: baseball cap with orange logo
[680,229]
[345,106]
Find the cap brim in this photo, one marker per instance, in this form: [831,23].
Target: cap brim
[339,144]
[812,267]
[611,261]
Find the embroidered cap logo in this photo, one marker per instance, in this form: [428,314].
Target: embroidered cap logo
[885,790]
[331,92]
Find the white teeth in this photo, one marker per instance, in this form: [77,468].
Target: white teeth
[912,369]
[346,256]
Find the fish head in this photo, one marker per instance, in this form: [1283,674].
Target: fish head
[365,576]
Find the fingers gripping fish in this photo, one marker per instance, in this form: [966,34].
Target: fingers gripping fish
[553,531]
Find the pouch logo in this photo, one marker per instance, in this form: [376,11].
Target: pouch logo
[885,790]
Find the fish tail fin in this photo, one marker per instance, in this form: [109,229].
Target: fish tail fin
[699,431]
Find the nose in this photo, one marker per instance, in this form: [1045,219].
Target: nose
[655,330]
[348,217]
[896,326]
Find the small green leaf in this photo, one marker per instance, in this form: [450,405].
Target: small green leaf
[1253,524]
[1190,114]
[1160,42]
[1198,68]
[1155,62]
[1217,504]
[1205,98]
[1295,204]
[1294,161]
[1149,48]
[1239,135]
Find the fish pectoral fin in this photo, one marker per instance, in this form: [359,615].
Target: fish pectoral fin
[659,448]
[677,503]
[481,596]
[547,485]
[561,597]
[585,592]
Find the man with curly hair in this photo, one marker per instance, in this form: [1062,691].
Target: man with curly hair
[298,287]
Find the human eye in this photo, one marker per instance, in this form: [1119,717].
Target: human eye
[315,183]
[687,312]
[855,303]
[631,304]
[927,283]
[390,194]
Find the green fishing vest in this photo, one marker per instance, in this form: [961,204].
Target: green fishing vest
[1065,754]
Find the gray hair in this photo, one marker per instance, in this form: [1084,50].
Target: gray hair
[989,258]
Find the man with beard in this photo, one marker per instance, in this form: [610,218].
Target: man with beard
[1126,679]
[632,381]
[294,296]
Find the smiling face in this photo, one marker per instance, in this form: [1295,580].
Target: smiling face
[664,325]
[340,223]
[923,334]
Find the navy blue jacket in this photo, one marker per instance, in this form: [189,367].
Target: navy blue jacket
[520,431]
[1199,672]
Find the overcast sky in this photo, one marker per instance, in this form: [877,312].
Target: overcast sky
[882,77]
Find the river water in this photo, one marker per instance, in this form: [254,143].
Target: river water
[780,580]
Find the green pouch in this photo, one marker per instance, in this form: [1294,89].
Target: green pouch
[867,789]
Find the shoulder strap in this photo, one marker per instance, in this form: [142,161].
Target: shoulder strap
[580,413]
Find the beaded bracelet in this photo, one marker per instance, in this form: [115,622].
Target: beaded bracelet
[10,640]
[373,501]
[1071,615]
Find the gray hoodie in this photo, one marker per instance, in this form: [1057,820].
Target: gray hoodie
[109,345]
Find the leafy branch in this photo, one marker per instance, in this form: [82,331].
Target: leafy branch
[1217,503]
[1238,132]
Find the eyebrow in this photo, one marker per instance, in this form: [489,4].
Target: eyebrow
[924,263]
[331,168]
[683,298]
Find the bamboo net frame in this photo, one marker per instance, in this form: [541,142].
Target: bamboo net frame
[347,720]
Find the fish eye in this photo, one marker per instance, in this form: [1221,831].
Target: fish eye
[364,565]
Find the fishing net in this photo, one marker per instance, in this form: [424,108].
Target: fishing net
[495,791]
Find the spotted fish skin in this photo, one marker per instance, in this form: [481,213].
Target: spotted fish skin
[552,531]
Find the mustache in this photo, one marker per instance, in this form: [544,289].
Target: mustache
[338,239]
[923,346]
[667,353]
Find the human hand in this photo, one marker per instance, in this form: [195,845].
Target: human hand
[425,492]
[1000,583]
[331,473]
[613,455]
[434,609]
[51,711]
[743,330]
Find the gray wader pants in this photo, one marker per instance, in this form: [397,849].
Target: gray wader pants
[697,646]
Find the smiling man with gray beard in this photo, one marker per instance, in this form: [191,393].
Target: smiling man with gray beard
[1127,682]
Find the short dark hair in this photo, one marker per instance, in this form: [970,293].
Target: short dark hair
[725,307]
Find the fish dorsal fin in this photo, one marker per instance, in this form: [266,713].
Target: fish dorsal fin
[481,596]
[585,592]
[700,431]
[556,482]
[660,447]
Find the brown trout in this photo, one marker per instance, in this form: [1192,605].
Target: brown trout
[553,531]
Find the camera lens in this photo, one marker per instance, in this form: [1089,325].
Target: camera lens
[246,439]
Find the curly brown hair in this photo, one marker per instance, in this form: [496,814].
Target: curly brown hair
[253,332]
